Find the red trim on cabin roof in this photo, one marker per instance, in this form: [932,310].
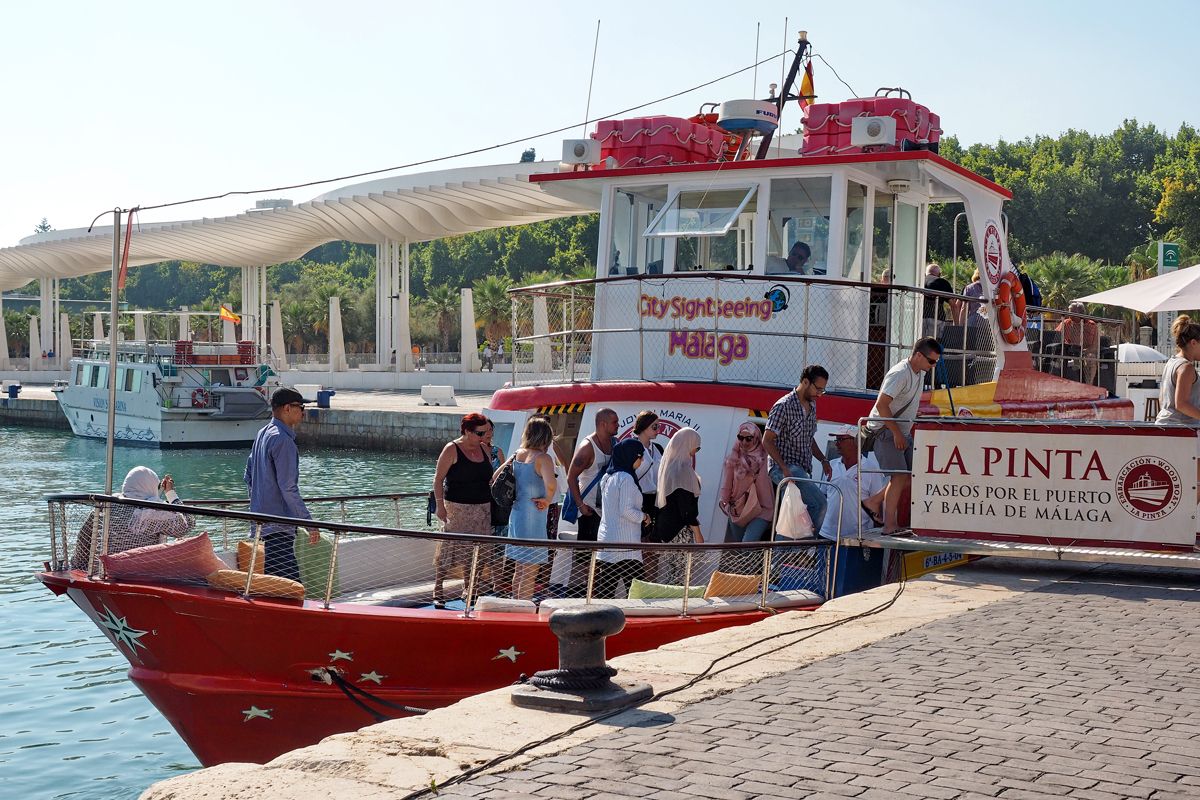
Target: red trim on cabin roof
[862,158]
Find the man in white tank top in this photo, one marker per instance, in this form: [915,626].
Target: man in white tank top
[591,459]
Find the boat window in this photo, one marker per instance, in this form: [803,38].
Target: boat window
[220,376]
[129,380]
[702,212]
[881,241]
[732,250]
[904,240]
[79,368]
[632,211]
[799,213]
[855,259]
[99,377]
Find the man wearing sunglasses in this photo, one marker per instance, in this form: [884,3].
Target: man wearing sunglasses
[894,412]
[272,476]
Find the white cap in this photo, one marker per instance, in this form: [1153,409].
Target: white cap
[844,430]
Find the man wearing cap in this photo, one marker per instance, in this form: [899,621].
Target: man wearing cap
[272,476]
[935,316]
[847,495]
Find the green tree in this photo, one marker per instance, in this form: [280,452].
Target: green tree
[529,156]
[43,226]
[443,303]
[1179,173]
[1063,278]
[493,306]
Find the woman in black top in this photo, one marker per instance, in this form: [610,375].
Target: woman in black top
[678,489]
[462,487]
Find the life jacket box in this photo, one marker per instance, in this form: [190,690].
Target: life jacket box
[659,141]
[828,125]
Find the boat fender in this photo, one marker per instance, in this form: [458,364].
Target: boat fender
[1010,308]
[200,399]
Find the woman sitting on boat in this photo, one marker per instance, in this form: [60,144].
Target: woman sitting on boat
[463,492]
[131,526]
[746,489]
[533,467]
[1179,398]
[678,498]
[621,522]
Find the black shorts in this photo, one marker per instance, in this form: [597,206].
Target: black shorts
[588,526]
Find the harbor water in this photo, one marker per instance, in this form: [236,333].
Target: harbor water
[71,723]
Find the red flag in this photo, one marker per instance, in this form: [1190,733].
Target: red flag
[125,255]
[806,88]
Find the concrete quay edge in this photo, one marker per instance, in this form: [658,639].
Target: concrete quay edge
[388,761]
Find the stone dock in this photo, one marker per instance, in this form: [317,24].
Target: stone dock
[1001,679]
[364,420]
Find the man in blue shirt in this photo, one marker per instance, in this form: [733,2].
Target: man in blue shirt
[272,475]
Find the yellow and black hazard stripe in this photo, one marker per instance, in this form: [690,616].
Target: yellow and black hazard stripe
[758,414]
[563,408]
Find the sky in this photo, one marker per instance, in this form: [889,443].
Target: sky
[143,103]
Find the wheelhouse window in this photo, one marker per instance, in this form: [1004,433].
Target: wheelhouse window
[799,221]
[129,380]
[633,209]
[99,377]
[713,228]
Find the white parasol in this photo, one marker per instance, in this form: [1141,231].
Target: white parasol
[1175,291]
[1129,353]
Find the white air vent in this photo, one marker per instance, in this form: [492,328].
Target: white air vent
[871,131]
[581,151]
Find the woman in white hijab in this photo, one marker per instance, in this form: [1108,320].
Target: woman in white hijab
[131,526]
[678,489]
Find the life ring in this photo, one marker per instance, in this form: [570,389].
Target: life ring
[1010,308]
[200,399]
[262,390]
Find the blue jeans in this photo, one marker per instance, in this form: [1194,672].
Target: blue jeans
[814,499]
[280,557]
[752,531]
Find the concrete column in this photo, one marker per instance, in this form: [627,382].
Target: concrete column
[278,345]
[139,326]
[401,336]
[542,359]
[185,325]
[262,311]
[469,344]
[4,364]
[35,345]
[97,327]
[46,317]
[383,302]
[337,341]
[228,332]
[64,342]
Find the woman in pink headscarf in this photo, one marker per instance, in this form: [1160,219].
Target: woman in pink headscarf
[746,487]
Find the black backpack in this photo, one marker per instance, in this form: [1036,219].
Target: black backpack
[504,484]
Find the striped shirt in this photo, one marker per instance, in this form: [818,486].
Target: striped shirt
[794,431]
[622,518]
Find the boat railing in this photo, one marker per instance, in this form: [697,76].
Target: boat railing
[720,323]
[180,353]
[354,564]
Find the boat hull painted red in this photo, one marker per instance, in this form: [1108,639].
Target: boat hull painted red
[231,674]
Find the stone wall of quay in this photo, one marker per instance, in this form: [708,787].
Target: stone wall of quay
[33,413]
[408,431]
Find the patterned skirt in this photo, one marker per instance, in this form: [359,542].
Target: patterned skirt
[473,518]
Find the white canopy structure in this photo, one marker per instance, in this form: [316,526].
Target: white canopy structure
[390,212]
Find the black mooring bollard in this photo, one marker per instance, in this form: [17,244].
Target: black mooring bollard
[583,681]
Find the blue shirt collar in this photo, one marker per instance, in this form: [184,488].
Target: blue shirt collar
[282,426]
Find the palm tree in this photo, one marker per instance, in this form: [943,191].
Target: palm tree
[1142,262]
[296,325]
[1063,278]
[493,305]
[443,302]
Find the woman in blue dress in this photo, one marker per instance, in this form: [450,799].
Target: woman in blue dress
[536,485]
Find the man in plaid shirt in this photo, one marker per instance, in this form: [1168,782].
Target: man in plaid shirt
[790,439]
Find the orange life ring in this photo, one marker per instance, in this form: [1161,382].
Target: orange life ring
[1010,308]
[199,399]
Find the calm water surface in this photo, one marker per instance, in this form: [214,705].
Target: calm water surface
[71,723]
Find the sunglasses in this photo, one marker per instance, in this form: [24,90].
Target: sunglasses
[478,431]
[931,361]
[745,438]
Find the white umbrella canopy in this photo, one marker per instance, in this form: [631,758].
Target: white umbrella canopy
[1175,291]
[1129,353]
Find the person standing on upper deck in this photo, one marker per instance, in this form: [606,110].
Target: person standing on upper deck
[935,315]
[790,443]
[895,410]
[590,462]
[272,476]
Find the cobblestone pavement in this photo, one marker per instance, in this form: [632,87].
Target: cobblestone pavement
[1088,688]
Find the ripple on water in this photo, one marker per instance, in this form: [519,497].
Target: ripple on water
[115,744]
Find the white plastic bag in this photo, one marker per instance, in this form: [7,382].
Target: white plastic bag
[794,521]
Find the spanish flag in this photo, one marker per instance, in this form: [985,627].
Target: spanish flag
[229,316]
[806,88]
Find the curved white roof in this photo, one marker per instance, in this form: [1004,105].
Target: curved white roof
[419,207]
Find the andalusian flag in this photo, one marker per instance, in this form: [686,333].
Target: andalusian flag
[229,316]
[806,88]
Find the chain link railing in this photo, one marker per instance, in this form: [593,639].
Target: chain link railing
[366,559]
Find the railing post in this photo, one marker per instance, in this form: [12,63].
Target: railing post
[766,576]
[66,556]
[641,333]
[337,535]
[53,537]
[513,355]
[224,533]
[687,581]
[99,565]
[396,501]
[254,556]
[573,336]
[470,596]
[717,328]
[804,360]
[342,503]
[591,583]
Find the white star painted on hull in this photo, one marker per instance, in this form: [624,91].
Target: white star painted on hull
[121,630]
[255,711]
[372,676]
[511,654]
[338,654]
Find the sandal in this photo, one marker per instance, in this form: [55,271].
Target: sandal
[875,518]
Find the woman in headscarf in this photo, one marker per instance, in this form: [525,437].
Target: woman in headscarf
[746,486]
[621,521]
[678,489]
[131,526]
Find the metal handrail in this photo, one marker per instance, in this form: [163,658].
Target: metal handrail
[831,578]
